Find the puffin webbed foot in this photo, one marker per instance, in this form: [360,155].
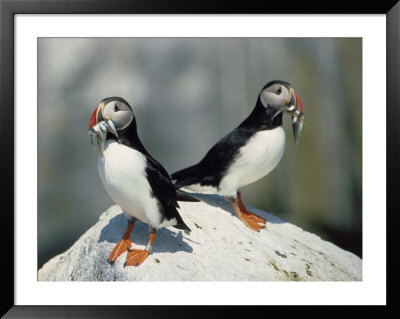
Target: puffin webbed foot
[135,257]
[122,245]
[251,220]
[119,249]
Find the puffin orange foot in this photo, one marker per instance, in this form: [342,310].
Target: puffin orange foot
[135,257]
[252,221]
[119,248]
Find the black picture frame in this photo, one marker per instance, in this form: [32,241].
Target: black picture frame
[8,10]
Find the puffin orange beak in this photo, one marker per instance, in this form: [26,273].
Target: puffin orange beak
[297,102]
[98,127]
[93,119]
[97,116]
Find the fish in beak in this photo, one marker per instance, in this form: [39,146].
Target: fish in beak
[99,126]
[296,108]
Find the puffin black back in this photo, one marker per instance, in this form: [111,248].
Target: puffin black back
[211,169]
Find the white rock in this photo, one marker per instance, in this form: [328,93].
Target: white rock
[220,247]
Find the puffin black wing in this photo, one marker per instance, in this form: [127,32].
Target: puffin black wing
[165,192]
[210,170]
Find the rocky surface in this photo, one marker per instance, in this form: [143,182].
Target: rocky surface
[219,248]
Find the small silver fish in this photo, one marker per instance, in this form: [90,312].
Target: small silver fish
[99,131]
[297,124]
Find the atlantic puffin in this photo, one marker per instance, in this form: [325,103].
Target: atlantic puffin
[248,153]
[132,177]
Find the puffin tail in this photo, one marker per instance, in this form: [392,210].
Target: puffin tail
[183,197]
[180,223]
[186,177]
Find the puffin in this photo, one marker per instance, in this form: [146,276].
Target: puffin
[132,177]
[248,153]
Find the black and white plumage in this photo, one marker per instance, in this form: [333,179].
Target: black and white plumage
[132,177]
[249,152]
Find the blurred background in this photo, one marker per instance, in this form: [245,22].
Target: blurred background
[187,93]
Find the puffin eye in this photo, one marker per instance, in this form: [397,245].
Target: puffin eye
[279,91]
[116,108]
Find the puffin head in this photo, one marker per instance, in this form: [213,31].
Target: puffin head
[280,96]
[113,113]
